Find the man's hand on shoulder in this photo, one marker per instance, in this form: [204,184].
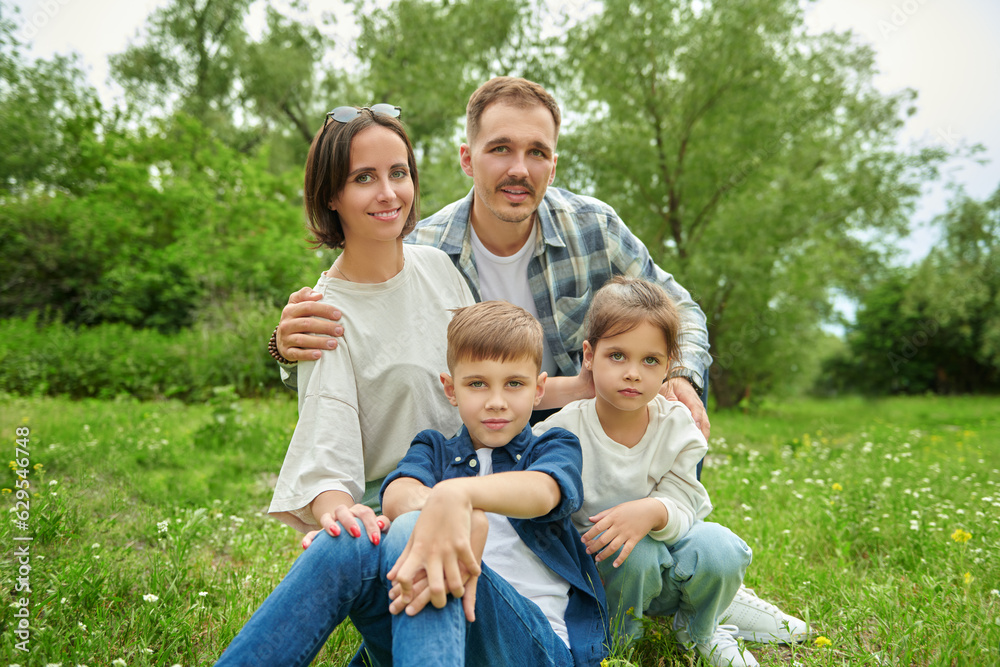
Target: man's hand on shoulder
[307,327]
[679,389]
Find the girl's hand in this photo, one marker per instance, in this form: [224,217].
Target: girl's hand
[622,526]
[374,525]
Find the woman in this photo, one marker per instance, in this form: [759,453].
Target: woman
[360,405]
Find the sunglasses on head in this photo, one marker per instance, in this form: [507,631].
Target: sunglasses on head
[347,114]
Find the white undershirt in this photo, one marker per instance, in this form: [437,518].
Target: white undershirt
[508,555]
[506,279]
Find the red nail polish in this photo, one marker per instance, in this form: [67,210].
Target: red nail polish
[355,531]
[375,539]
[381,524]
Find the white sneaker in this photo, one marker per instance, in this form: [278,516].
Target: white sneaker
[721,650]
[760,621]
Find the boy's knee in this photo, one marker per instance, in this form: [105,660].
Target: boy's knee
[399,533]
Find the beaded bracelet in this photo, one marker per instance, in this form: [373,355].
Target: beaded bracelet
[272,348]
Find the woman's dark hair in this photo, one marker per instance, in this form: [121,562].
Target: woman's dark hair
[328,165]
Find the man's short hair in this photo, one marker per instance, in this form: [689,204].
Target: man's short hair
[507,90]
[493,331]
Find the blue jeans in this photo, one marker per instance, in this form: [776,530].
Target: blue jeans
[698,576]
[337,577]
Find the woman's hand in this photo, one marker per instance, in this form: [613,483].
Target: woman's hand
[348,516]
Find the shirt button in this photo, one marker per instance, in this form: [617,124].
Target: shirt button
[518,457]
[457,459]
[472,463]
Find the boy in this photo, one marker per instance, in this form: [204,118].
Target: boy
[535,600]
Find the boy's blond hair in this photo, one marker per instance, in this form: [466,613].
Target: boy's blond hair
[493,331]
[624,303]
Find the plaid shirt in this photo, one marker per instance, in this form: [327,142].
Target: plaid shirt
[580,244]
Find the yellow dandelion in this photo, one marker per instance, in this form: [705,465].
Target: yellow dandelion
[961,536]
[13,465]
[967,577]
[837,486]
[822,641]
[6,490]
[38,466]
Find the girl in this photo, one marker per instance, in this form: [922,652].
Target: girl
[643,510]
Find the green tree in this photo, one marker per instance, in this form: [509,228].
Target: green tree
[197,57]
[49,116]
[428,57]
[752,158]
[180,226]
[935,326]
[959,281]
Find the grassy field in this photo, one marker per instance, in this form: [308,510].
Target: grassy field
[875,521]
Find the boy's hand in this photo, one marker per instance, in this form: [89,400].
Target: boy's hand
[421,591]
[622,526]
[439,546]
[374,525]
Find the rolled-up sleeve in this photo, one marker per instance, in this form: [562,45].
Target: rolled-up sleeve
[557,453]
[684,497]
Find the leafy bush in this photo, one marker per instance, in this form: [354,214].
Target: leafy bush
[174,222]
[109,360]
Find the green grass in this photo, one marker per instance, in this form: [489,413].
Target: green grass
[851,508]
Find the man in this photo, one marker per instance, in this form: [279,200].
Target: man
[547,250]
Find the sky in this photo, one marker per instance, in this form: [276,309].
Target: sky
[946,50]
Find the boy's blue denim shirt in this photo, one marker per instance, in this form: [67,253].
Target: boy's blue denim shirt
[432,457]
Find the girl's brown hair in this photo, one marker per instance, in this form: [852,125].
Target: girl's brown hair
[624,303]
[328,165]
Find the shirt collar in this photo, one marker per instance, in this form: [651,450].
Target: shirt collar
[462,448]
[461,222]
[458,226]
[547,215]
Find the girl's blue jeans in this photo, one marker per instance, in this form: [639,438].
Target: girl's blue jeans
[340,577]
[697,576]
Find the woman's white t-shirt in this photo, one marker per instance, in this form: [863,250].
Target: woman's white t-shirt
[361,404]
